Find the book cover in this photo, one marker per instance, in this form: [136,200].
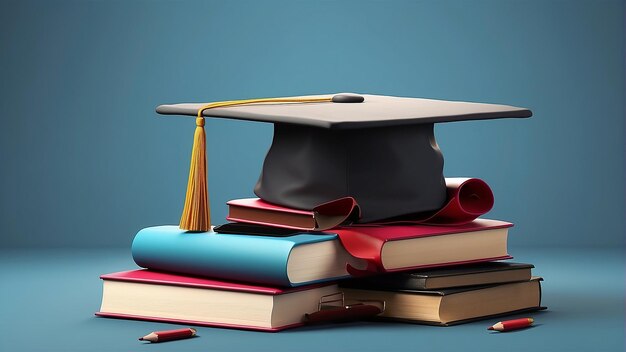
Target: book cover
[322,217]
[162,278]
[276,261]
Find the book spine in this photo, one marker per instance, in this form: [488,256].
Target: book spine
[419,283]
[230,257]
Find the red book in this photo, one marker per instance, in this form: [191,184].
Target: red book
[155,296]
[389,248]
[322,217]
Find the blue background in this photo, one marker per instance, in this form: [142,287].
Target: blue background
[85,162]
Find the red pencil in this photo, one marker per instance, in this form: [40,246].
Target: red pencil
[509,325]
[168,335]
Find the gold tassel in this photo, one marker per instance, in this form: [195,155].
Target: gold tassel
[197,213]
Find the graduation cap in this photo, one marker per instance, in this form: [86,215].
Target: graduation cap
[380,150]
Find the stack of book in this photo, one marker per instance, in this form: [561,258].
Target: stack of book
[248,274]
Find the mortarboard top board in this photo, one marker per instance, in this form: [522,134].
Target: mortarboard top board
[371,111]
[381,150]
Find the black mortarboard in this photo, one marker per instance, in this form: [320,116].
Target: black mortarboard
[381,150]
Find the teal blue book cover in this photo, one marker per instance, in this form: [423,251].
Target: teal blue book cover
[255,259]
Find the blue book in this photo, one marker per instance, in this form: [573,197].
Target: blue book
[296,260]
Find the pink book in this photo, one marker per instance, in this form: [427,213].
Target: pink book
[157,296]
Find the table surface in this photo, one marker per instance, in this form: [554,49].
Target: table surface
[48,298]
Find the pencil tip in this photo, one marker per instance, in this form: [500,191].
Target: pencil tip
[141,339]
[490,328]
